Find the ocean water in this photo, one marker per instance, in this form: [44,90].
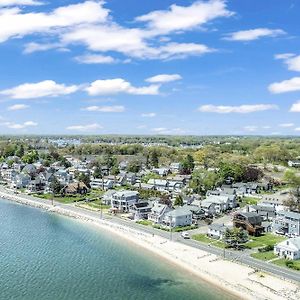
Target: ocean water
[46,256]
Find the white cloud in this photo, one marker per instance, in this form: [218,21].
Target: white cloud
[251,128]
[253,34]
[297,129]
[291,60]
[106,109]
[180,50]
[164,78]
[290,85]
[18,107]
[36,47]
[173,131]
[95,59]
[85,128]
[181,18]
[242,109]
[119,85]
[14,23]
[24,125]
[295,107]
[47,88]
[5,3]
[286,125]
[149,115]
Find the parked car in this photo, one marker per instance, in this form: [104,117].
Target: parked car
[185,235]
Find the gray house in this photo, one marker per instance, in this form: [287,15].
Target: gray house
[178,217]
[287,222]
[123,200]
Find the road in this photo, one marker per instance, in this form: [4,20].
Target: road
[238,256]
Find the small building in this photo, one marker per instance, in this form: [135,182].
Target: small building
[267,212]
[289,249]
[175,167]
[294,163]
[178,217]
[287,222]
[141,210]
[75,188]
[217,231]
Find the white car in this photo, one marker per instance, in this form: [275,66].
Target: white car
[185,235]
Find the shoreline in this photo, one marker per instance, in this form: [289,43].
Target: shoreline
[238,280]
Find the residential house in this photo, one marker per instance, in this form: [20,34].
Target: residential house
[287,222]
[178,217]
[160,184]
[123,200]
[249,221]
[221,203]
[158,212]
[294,163]
[161,171]
[267,212]
[107,197]
[175,167]
[216,231]
[75,188]
[103,184]
[141,210]
[289,249]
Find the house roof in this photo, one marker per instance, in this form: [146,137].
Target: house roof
[291,243]
[179,212]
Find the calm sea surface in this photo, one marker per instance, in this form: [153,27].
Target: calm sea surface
[46,256]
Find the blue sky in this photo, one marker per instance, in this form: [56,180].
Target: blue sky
[150,67]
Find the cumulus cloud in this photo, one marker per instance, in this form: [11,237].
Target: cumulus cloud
[6,3]
[242,109]
[106,109]
[285,86]
[95,59]
[148,115]
[295,107]
[47,88]
[85,128]
[119,85]
[164,78]
[18,107]
[286,125]
[291,60]
[182,18]
[253,34]
[90,24]
[297,129]
[14,23]
[24,125]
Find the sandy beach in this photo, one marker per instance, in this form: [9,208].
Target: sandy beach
[240,280]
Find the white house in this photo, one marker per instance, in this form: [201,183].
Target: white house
[158,212]
[221,203]
[289,249]
[216,231]
[178,217]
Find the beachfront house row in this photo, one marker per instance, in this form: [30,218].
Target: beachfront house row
[178,217]
[123,200]
[287,223]
[158,212]
[289,249]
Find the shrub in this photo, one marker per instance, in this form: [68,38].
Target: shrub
[266,248]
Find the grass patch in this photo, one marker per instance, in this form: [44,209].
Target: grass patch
[267,239]
[144,222]
[203,238]
[264,255]
[291,264]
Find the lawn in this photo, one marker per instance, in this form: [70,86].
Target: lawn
[66,199]
[203,238]
[267,239]
[282,263]
[145,222]
[248,201]
[264,255]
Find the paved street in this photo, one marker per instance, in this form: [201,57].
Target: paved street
[238,256]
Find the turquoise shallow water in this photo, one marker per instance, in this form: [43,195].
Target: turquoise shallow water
[46,256]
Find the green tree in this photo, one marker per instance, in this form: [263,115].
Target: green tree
[235,237]
[178,201]
[187,165]
[98,172]
[85,179]
[55,185]
[154,158]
